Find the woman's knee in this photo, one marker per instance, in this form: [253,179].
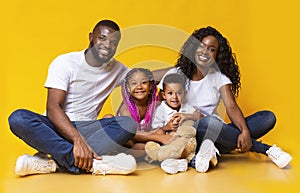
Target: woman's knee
[269,118]
[206,122]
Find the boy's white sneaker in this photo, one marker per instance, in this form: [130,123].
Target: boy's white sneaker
[279,157]
[173,166]
[27,165]
[206,155]
[116,164]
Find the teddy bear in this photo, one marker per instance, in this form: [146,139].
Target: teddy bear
[183,146]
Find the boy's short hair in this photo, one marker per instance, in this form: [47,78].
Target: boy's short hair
[174,78]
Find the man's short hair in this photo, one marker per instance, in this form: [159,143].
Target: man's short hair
[107,23]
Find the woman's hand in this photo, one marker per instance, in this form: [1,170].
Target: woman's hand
[244,142]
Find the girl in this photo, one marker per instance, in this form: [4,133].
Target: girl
[139,94]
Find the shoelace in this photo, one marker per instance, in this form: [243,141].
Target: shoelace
[275,152]
[103,168]
[43,166]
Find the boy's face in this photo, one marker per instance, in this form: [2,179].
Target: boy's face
[174,95]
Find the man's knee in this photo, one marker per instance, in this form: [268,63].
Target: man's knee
[17,118]
[127,123]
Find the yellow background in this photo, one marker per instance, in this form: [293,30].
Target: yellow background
[263,34]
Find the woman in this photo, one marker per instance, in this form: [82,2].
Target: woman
[207,61]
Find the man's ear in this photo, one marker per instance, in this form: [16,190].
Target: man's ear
[91,36]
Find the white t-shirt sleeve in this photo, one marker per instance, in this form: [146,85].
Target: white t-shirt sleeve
[158,120]
[221,80]
[123,72]
[58,74]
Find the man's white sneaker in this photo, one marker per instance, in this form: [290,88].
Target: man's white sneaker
[173,166]
[206,155]
[279,157]
[27,165]
[116,164]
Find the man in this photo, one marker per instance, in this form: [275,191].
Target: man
[70,138]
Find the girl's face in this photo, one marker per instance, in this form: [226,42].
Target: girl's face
[207,51]
[139,86]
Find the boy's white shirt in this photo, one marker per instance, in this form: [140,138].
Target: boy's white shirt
[163,113]
[204,94]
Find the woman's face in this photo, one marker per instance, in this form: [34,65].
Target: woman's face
[207,51]
[139,86]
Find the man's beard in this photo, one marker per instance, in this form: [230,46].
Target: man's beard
[95,53]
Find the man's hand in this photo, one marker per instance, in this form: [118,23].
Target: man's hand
[83,154]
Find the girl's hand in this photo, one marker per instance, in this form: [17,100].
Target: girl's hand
[166,139]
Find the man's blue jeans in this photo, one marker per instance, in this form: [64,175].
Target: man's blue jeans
[225,136]
[104,135]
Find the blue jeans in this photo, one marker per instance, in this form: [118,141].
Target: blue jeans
[104,135]
[225,136]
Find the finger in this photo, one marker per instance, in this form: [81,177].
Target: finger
[76,161]
[89,164]
[80,163]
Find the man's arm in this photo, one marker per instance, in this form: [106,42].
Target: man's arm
[83,153]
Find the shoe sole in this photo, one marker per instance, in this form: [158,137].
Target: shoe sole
[205,155]
[19,165]
[121,164]
[173,166]
[286,162]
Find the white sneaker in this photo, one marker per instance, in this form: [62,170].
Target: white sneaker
[117,164]
[279,157]
[206,155]
[173,166]
[27,165]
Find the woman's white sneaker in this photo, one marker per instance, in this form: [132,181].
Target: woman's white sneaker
[116,164]
[27,165]
[207,154]
[173,166]
[279,157]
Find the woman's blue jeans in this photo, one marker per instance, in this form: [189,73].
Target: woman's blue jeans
[104,135]
[225,136]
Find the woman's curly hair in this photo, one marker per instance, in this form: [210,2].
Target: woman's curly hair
[225,59]
[129,101]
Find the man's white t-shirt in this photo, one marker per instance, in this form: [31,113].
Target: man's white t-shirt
[163,113]
[204,94]
[87,87]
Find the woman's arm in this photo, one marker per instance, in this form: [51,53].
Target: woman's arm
[236,116]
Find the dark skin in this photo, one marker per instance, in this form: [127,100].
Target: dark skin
[103,44]
[205,54]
